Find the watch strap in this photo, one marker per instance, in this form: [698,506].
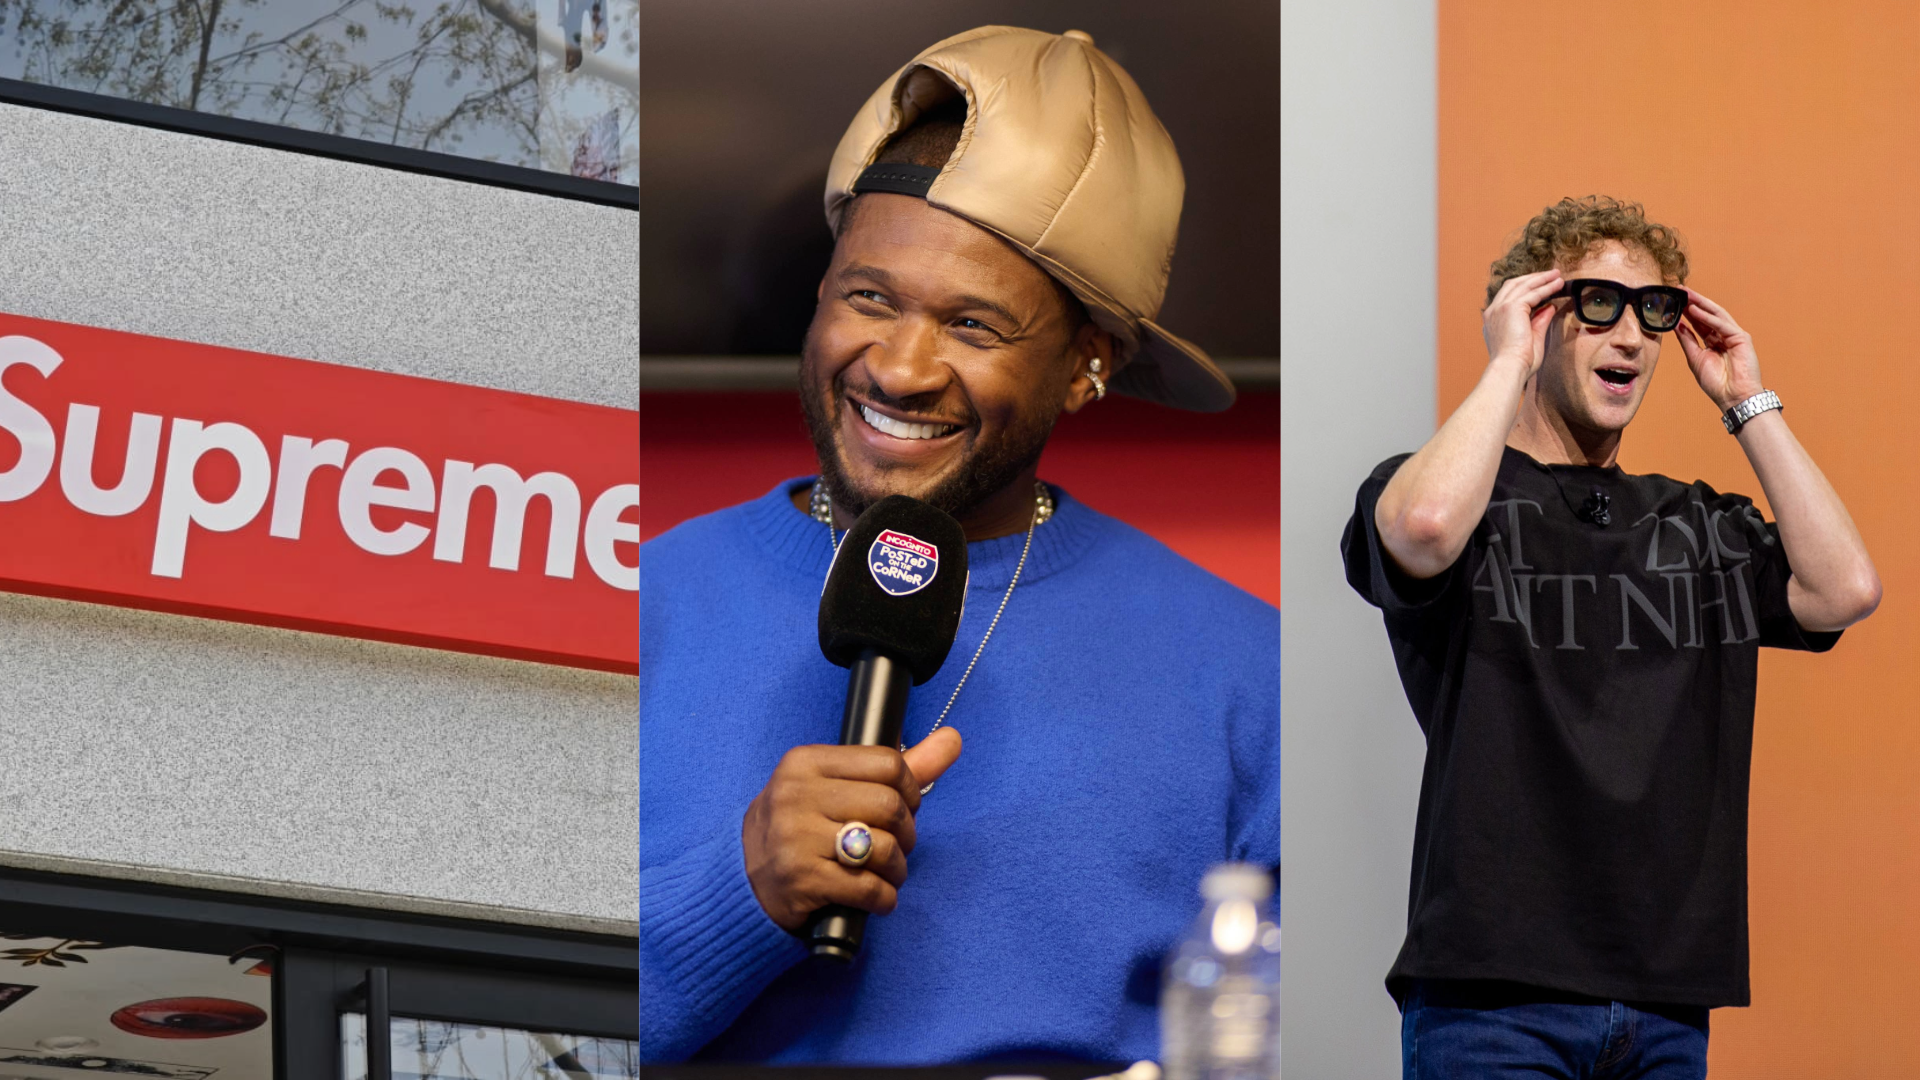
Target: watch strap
[1753,406]
[1737,417]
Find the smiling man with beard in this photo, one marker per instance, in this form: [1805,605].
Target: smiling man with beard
[1005,208]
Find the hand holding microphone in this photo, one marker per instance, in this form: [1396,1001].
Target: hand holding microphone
[791,826]
[827,839]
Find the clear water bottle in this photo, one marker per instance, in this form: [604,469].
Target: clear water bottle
[1220,998]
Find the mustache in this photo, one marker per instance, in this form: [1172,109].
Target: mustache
[920,405]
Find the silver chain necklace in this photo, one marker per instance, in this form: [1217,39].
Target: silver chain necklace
[821,508]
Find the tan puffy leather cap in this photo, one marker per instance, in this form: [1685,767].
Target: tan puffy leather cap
[1061,157]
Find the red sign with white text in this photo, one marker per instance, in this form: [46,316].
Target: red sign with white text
[236,485]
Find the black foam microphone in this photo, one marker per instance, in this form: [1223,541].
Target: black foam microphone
[1594,509]
[889,613]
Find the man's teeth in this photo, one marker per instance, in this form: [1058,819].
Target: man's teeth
[900,429]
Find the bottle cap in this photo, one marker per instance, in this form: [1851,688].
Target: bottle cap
[1236,881]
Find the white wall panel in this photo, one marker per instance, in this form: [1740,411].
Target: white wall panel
[1358,237]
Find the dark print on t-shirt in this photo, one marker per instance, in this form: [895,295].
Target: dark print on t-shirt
[1587,695]
[1706,568]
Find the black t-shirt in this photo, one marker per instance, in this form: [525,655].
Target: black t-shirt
[1587,697]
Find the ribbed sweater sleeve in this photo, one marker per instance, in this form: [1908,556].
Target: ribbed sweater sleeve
[706,948]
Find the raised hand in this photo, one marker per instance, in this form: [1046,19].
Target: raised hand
[1515,323]
[1719,353]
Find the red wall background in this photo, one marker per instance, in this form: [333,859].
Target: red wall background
[1206,485]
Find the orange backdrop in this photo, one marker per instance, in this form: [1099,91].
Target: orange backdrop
[1782,140]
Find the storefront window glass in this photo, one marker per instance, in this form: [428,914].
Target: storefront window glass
[71,1005]
[544,84]
[438,1050]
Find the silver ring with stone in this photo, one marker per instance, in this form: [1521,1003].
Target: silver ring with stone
[853,844]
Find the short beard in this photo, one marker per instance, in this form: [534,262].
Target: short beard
[983,473]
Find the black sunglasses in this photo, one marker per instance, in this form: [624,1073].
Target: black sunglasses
[1597,302]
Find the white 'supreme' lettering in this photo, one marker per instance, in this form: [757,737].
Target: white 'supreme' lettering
[298,458]
[136,476]
[23,421]
[360,489]
[510,497]
[183,506]
[605,529]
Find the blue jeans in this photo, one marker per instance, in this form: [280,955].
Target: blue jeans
[1467,1031]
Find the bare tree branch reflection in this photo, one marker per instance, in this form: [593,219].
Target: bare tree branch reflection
[460,76]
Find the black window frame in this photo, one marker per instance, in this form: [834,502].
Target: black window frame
[318,144]
[315,987]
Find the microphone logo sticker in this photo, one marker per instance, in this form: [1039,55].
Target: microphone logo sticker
[902,564]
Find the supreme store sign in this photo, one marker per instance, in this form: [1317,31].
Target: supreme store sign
[236,485]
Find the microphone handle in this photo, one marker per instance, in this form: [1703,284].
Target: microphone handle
[876,705]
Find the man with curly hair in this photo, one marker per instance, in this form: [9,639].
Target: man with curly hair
[1579,645]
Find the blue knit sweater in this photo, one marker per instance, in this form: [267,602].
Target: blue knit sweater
[1122,733]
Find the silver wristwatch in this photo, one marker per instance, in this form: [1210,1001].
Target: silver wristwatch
[1737,417]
